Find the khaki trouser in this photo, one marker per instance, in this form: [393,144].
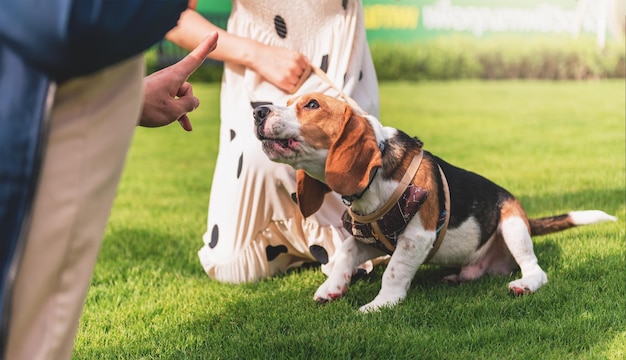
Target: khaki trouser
[92,123]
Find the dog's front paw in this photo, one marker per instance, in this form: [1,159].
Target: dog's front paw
[330,290]
[379,303]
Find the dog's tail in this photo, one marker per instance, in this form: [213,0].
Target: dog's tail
[551,224]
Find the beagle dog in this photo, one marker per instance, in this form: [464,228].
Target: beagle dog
[403,201]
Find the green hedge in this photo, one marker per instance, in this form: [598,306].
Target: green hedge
[458,57]
[510,57]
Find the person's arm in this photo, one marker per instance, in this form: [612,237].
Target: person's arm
[280,66]
[167,94]
[66,39]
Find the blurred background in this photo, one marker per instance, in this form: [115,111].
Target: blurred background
[471,39]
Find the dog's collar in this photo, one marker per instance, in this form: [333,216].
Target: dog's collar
[348,199]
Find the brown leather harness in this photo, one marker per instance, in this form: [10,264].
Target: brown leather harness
[383,227]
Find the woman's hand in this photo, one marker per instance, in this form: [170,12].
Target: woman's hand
[282,67]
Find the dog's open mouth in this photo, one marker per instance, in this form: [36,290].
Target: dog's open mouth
[284,143]
[279,148]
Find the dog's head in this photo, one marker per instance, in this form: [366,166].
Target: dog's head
[331,146]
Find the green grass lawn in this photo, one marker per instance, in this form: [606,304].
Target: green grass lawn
[558,146]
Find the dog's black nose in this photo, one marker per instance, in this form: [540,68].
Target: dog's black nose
[260,113]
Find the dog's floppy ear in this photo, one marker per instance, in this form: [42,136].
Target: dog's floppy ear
[353,156]
[309,193]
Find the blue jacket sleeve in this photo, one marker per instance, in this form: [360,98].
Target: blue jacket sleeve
[68,38]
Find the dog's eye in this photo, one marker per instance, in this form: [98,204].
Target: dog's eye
[312,104]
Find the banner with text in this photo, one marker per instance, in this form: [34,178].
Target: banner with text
[407,20]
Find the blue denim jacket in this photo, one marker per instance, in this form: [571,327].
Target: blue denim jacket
[43,43]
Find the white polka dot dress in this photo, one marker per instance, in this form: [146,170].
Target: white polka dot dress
[254,228]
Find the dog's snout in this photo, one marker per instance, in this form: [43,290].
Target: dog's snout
[260,114]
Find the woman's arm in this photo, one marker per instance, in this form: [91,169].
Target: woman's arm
[280,66]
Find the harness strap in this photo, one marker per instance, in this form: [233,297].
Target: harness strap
[380,236]
[372,218]
[395,196]
[441,233]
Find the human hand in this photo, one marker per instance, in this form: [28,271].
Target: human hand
[282,67]
[167,94]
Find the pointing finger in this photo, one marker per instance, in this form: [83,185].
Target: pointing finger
[194,59]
